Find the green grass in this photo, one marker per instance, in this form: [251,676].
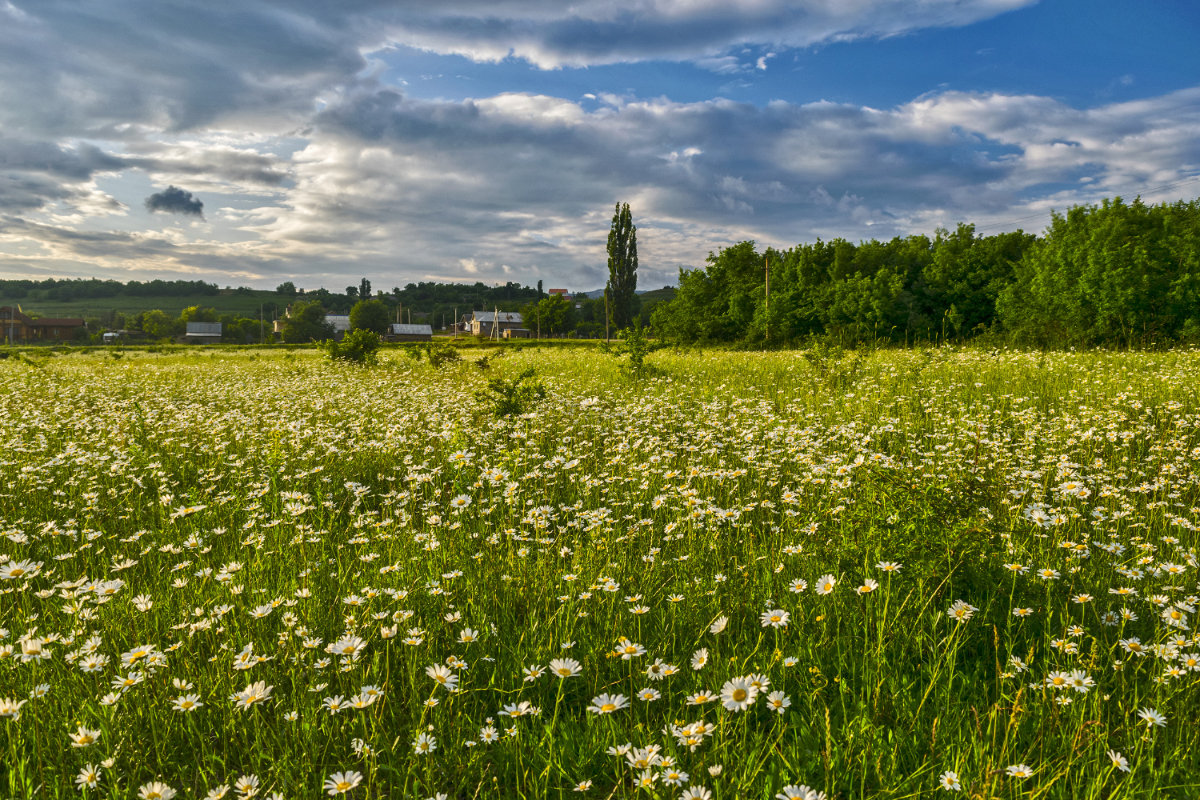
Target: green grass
[275,500]
[239,304]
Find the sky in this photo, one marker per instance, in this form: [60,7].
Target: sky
[254,142]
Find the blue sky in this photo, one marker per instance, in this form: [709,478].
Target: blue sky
[489,139]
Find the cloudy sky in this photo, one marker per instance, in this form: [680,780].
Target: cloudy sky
[250,142]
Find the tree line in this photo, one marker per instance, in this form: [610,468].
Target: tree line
[1114,274]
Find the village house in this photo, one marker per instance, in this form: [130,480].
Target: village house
[491,324]
[19,327]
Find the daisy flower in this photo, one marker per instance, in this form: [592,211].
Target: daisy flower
[608,703]
[342,782]
[950,782]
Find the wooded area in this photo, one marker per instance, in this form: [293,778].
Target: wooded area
[1119,273]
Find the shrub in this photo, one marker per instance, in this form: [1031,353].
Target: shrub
[512,397]
[358,347]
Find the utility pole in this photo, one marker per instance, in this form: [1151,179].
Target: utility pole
[262,336]
[456,322]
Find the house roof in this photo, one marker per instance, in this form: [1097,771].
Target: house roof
[492,316]
[405,328]
[204,329]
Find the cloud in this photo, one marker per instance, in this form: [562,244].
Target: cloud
[552,34]
[124,71]
[174,200]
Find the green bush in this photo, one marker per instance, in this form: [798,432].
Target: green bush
[512,397]
[357,347]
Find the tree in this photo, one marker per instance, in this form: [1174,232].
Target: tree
[622,266]
[551,315]
[369,315]
[306,323]
[197,314]
[158,325]
[286,288]
[364,289]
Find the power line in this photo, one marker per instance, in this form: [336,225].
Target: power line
[1042,215]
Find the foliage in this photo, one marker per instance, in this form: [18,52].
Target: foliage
[549,316]
[1115,273]
[306,323]
[512,397]
[632,345]
[622,267]
[358,346]
[370,315]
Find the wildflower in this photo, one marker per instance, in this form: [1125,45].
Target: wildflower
[424,744]
[565,667]
[718,625]
[1118,761]
[443,676]
[696,793]
[1021,771]
[825,584]
[186,702]
[533,673]
[488,734]
[583,786]
[83,737]
[257,692]
[673,776]
[888,566]
[949,781]
[607,704]
[700,698]
[801,792]
[628,650]
[247,785]
[778,702]
[700,658]
[775,618]
[868,586]
[342,782]
[88,777]
[648,695]
[156,790]
[738,694]
[1151,717]
[798,585]
[962,610]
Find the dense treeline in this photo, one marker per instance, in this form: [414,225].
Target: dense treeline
[83,288]
[1116,273]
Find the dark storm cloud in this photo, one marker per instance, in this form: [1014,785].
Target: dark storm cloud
[174,200]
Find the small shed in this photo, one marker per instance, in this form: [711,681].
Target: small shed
[516,333]
[401,332]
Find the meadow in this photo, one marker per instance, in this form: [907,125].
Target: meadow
[911,573]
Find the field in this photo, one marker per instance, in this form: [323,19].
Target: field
[240,304]
[920,573]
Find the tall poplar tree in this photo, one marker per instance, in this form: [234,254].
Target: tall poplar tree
[622,267]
